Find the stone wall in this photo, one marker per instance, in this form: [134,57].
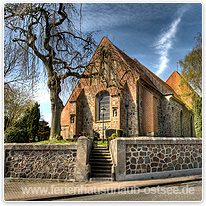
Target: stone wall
[45,161]
[175,109]
[136,156]
[61,161]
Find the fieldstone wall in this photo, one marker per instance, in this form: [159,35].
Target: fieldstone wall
[188,126]
[157,158]
[45,161]
[134,157]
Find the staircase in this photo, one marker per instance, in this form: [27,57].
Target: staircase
[101,164]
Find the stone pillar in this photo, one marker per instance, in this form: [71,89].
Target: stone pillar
[83,151]
[121,160]
[118,151]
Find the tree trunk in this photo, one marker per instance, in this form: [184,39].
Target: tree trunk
[54,84]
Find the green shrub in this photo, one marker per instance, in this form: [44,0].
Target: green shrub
[90,138]
[16,135]
[120,133]
[36,139]
[113,136]
[59,137]
[43,132]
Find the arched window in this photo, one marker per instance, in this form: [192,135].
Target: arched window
[181,124]
[103,100]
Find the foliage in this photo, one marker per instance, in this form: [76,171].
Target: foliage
[25,129]
[120,133]
[32,121]
[100,143]
[47,32]
[49,36]
[192,65]
[57,141]
[16,135]
[96,135]
[43,131]
[198,118]
[16,100]
[91,138]
[6,122]
[113,136]
[59,137]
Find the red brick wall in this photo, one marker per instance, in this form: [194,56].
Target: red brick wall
[147,111]
[182,89]
[155,116]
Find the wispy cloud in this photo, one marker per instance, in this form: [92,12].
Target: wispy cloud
[164,44]
[167,38]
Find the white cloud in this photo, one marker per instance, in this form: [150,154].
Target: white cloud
[164,44]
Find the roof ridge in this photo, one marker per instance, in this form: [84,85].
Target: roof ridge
[137,68]
[158,78]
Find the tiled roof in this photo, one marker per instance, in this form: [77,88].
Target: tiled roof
[141,69]
[135,67]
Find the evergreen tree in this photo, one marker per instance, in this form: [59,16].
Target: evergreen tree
[43,131]
[25,129]
[33,121]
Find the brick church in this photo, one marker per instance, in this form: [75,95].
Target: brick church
[141,104]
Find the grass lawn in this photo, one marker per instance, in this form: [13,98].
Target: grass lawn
[102,144]
[57,141]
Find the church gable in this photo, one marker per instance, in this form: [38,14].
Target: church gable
[132,96]
[182,88]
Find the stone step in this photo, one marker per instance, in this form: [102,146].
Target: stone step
[100,153]
[101,166]
[100,159]
[97,170]
[101,175]
[101,163]
[100,179]
[100,148]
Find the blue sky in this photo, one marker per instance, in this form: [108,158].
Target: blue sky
[157,35]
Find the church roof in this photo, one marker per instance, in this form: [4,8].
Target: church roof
[145,74]
[149,77]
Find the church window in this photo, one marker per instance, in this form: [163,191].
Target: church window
[114,112]
[103,100]
[72,118]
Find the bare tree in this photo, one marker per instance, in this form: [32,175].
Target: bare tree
[47,32]
[16,100]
